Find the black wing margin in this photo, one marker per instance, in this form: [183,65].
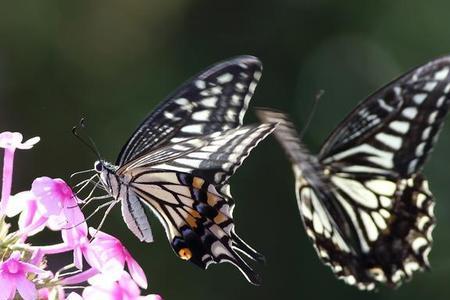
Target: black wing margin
[214,100]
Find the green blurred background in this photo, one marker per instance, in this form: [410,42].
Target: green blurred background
[113,61]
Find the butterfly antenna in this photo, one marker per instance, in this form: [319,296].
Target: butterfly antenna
[81,172]
[89,143]
[311,114]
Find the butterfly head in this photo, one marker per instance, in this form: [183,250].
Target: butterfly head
[99,166]
[104,167]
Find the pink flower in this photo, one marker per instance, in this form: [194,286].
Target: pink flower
[11,141]
[74,238]
[31,221]
[108,255]
[55,199]
[103,287]
[56,202]
[53,195]
[13,276]
[50,203]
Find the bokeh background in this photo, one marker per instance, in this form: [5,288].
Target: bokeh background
[113,61]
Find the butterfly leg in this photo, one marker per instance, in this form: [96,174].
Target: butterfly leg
[108,210]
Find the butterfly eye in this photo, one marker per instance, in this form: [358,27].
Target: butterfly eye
[98,166]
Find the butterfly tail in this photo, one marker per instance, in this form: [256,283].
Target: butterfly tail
[245,249]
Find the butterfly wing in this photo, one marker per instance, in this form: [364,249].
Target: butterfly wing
[214,100]
[197,219]
[372,164]
[374,159]
[394,130]
[187,195]
[214,157]
[324,219]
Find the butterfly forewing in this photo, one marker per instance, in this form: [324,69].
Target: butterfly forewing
[394,130]
[214,100]
[214,157]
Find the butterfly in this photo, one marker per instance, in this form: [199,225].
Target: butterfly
[363,199]
[178,162]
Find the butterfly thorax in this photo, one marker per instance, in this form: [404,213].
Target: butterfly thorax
[110,180]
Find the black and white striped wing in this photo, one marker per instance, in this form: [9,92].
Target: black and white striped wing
[197,219]
[394,130]
[214,100]
[214,157]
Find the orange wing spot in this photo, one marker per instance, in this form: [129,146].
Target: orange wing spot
[220,218]
[194,213]
[185,254]
[191,221]
[212,199]
[197,183]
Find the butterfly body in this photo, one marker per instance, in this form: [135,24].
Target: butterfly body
[178,162]
[363,199]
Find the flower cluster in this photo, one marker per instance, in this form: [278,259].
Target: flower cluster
[102,267]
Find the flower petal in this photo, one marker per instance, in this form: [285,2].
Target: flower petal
[26,288]
[7,286]
[112,269]
[128,286]
[27,267]
[48,200]
[151,297]
[28,144]
[74,296]
[78,258]
[18,203]
[10,139]
[136,272]
[57,222]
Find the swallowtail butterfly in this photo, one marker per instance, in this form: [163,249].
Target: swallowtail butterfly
[363,199]
[179,160]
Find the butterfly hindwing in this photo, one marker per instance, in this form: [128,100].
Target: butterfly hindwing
[214,100]
[197,218]
[393,221]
